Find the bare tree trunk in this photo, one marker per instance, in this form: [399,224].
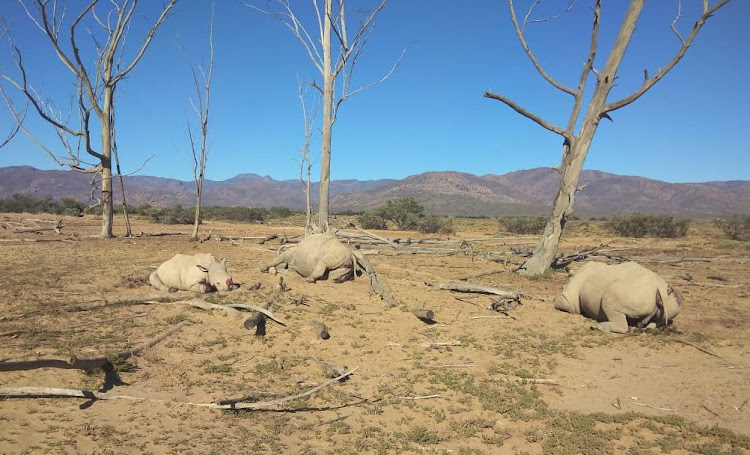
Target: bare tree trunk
[203,95]
[308,207]
[95,89]
[107,202]
[574,154]
[325,149]
[197,219]
[331,25]
[128,231]
[576,147]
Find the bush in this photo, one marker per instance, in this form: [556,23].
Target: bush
[403,212]
[19,203]
[372,220]
[433,224]
[237,214]
[523,224]
[280,212]
[736,227]
[642,225]
[173,215]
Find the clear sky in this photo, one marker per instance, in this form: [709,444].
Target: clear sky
[431,114]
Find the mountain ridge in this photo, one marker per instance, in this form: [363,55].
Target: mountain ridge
[522,192]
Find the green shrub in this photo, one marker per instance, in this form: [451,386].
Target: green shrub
[433,224]
[641,225]
[280,212]
[236,213]
[736,227]
[523,224]
[372,220]
[403,212]
[173,215]
[19,203]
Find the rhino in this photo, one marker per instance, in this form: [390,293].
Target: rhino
[620,295]
[200,272]
[318,256]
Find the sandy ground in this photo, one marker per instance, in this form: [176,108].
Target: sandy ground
[475,382]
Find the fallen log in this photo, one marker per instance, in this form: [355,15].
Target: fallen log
[89,364]
[377,284]
[320,329]
[52,392]
[331,370]
[478,288]
[157,234]
[57,227]
[424,314]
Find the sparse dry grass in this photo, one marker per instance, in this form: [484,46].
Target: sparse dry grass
[487,395]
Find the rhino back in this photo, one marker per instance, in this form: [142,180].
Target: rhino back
[181,271]
[318,248]
[633,292]
[582,294]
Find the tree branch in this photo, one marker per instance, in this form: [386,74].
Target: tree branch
[298,30]
[531,55]
[528,114]
[146,41]
[586,68]
[648,83]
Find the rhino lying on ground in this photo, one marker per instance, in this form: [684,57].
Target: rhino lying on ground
[317,256]
[200,272]
[616,295]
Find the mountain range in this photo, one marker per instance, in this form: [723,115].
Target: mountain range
[526,192]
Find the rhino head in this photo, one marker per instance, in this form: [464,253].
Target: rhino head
[218,277]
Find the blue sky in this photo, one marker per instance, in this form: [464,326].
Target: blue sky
[431,114]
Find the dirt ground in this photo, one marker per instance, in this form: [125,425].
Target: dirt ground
[477,381]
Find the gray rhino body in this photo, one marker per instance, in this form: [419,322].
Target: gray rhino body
[615,295]
[316,256]
[200,273]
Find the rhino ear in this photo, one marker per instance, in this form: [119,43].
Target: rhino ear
[201,268]
[223,261]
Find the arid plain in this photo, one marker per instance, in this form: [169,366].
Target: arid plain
[476,381]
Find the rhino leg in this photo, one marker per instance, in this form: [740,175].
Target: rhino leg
[317,272]
[340,275]
[200,288]
[283,258]
[157,283]
[616,322]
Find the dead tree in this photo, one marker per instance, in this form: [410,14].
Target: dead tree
[95,80]
[18,118]
[203,96]
[305,164]
[576,144]
[334,52]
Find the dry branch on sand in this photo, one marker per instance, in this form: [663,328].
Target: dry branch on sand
[563,260]
[50,392]
[89,364]
[177,299]
[479,288]
[57,227]
[377,283]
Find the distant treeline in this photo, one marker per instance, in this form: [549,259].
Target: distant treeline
[24,203]
[405,213]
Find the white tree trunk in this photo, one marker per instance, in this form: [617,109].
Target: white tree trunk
[574,154]
[325,150]
[107,200]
